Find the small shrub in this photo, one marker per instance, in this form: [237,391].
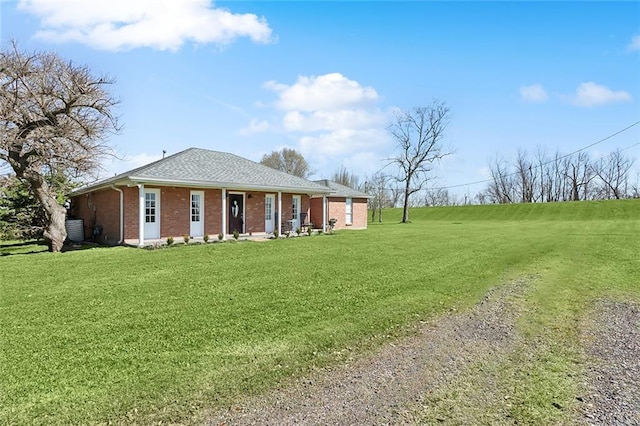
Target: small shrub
[220,237]
[169,241]
[309,230]
[298,231]
[186,239]
[275,233]
[205,238]
[287,234]
[236,234]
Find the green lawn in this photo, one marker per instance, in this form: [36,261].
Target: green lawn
[130,335]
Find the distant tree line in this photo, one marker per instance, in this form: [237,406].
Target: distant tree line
[542,177]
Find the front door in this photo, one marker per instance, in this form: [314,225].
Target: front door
[269,203]
[197,214]
[151,213]
[236,213]
[295,212]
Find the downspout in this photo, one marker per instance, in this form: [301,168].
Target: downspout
[121,213]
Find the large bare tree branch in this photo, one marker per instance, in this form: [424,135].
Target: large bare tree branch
[55,117]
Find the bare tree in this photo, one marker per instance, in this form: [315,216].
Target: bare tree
[346,178]
[635,187]
[289,161]
[579,172]
[438,197]
[418,135]
[395,195]
[377,187]
[613,171]
[502,188]
[527,177]
[55,118]
[483,197]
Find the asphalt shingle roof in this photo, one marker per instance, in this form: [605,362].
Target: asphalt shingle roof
[341,190]
[213,168]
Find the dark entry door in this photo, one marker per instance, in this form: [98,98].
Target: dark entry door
[236,209]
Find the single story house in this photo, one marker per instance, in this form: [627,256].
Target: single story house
[346,205]
[198,192]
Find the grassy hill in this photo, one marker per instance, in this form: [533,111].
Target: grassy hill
[565,211]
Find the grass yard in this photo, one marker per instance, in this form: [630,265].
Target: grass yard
[129,335]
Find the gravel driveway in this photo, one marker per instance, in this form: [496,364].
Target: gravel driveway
[392,384]
[612,341]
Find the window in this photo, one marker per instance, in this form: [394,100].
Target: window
[268,208]
[295,206]
[195,207]
[348,211]
[150,207]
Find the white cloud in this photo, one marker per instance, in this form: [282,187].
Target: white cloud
[327,92]
[128,24]
[533,93]
[333,120]
[344,141]
[591,94]
[634,44]
[255,126]
[330,115]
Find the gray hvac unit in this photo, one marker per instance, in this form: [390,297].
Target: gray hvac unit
[75,229]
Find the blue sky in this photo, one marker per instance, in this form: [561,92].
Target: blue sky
[324,77]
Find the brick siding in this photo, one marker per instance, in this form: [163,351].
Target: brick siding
[337,209]
[103,208]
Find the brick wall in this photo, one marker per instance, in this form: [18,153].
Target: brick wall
[100,208]
[316,212]
[130,212]
[212,209]
[254,212]
[175,209]
[337,209]
[359,207]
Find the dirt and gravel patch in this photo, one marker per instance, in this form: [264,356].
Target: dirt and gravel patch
[388,387]
[611,338]
[446,373]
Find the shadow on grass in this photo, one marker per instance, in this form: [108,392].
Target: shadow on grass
[11,248]
[8,248]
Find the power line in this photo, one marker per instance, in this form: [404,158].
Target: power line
[551,161]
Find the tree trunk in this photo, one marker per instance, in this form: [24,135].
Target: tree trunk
[405,204]
[55,232]
[574,192]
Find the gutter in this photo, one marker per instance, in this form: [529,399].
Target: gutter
[314,189]
[121,212]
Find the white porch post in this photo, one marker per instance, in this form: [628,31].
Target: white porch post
[141,211]
[324,213]
[279,212]
[224,214]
